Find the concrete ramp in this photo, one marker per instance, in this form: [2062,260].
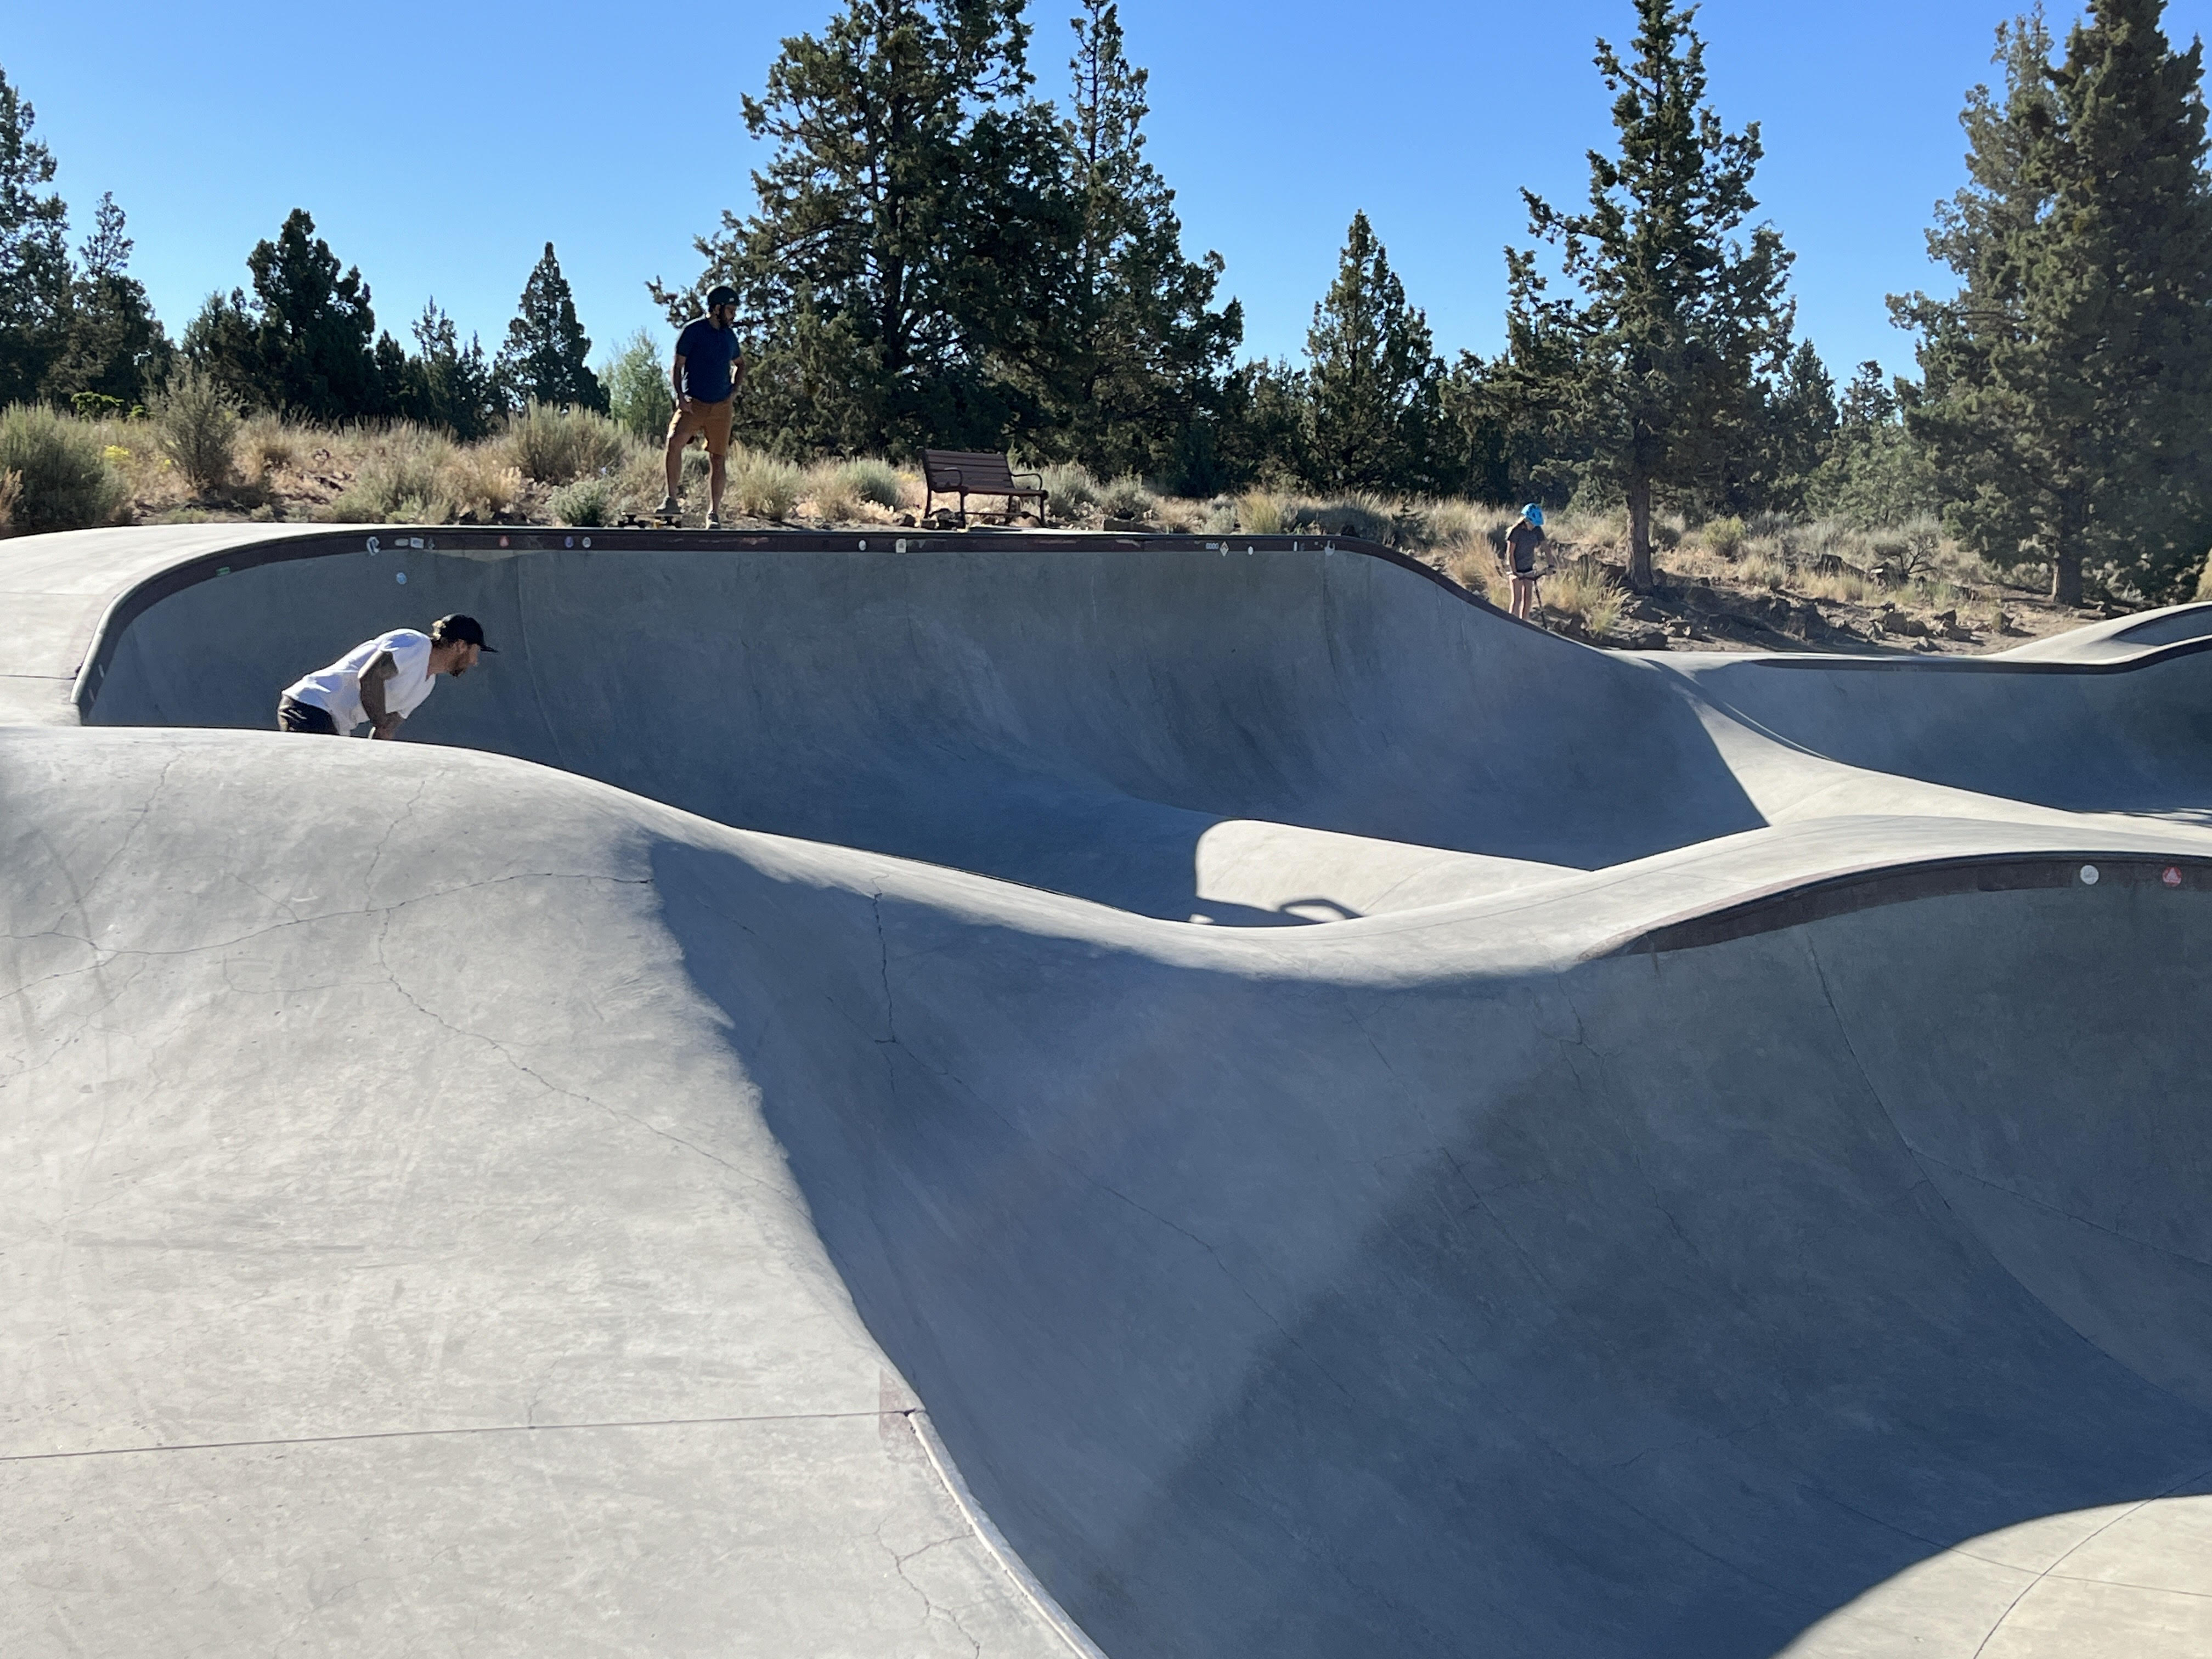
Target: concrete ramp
[1038,1096]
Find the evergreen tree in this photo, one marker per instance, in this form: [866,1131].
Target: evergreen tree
[1373,383]
[547,354]
[2068,385]
[112,346]
[445,383]
[1135,378]
[1797,430]
[639,394]
[1876,475]
[35,263]
[905,266]
[1650,374]
[305,344]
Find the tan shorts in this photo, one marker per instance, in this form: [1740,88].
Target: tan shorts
[710,421]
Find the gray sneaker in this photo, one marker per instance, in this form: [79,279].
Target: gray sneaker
[714,521]
[668,508]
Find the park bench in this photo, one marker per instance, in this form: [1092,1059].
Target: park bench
[975,472]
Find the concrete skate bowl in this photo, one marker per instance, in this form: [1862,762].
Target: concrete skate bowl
[1707,1194]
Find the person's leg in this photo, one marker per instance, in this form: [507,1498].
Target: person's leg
[678,436]
[716,427]
[304,717]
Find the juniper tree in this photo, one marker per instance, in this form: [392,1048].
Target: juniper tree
[1138,356]
[1649,374]
[305,344]
[35,263]
[111,345]
[908,236]
[547,354]
[1374,381]
[2068,384]
[447,384]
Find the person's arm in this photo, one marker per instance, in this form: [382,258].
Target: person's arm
[382,722]
[675,379]
[737,371]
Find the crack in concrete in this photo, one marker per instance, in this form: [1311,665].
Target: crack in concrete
[433,1434]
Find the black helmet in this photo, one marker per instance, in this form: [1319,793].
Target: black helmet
[721,295]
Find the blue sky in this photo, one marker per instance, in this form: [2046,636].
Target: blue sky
[439,146]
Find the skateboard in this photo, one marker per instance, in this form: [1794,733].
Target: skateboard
[650,521]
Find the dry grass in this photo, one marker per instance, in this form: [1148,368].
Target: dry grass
[1586,590]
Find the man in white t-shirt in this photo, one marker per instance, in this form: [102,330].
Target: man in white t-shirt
[381,682]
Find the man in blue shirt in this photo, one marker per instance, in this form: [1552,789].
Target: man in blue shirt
[706,373]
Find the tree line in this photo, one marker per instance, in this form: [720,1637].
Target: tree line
[938,252]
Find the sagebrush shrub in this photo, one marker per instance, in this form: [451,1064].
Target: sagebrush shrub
[11,487]
[64,481]
[1127,498]
[1072,493]
[558,446]
[587,503]
[833,497]
[268,444]
[198,427]
[1725,535]
[873,480]
[763,487]
[400,481]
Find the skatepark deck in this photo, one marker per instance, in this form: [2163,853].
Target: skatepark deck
[1027,1095]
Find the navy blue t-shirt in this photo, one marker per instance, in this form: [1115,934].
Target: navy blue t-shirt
[707,352]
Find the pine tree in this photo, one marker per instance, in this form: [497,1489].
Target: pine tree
[2068,385]
[112,346]
[547,354]
[305,344]
[1136,372]
[1650,374]
[447,384]
[1374,382]
[904,268]
[1876,475]
[1797,430]
[35,263]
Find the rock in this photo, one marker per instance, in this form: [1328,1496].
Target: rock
[1964,635]
[1896,622]
[1944,618]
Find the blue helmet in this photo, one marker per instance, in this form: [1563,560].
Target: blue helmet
[1533,513]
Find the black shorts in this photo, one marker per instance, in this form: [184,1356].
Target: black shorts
[293,715]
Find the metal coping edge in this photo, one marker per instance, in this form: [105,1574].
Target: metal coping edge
[1795,903]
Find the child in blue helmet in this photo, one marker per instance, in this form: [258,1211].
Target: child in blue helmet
[1521,542]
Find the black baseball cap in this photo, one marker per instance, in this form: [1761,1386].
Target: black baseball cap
[466,630]
[721,295]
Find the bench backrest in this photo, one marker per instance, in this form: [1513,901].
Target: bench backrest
[978,471]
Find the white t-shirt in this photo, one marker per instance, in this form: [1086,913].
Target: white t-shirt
[336,690]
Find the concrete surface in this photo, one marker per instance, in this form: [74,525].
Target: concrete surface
[1029,1092]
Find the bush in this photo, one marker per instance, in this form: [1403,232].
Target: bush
[1127,498]
[400,481]
[1259,514]
[268,445]
[832,495]
[763,487]
[198,426]
[587,503]
[1586,589]
[11,487]
[1370,518]
[479,483]
[873,480]
[559,445]
[1725,535]
[1072,494]
[62,481]
[639,394]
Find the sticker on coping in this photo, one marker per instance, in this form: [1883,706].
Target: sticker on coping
[567,541]
[401,579]
[374,545]
[2088,875]
[2171,875]
[587,541]
[864,543]
[898,546]
[502,541]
